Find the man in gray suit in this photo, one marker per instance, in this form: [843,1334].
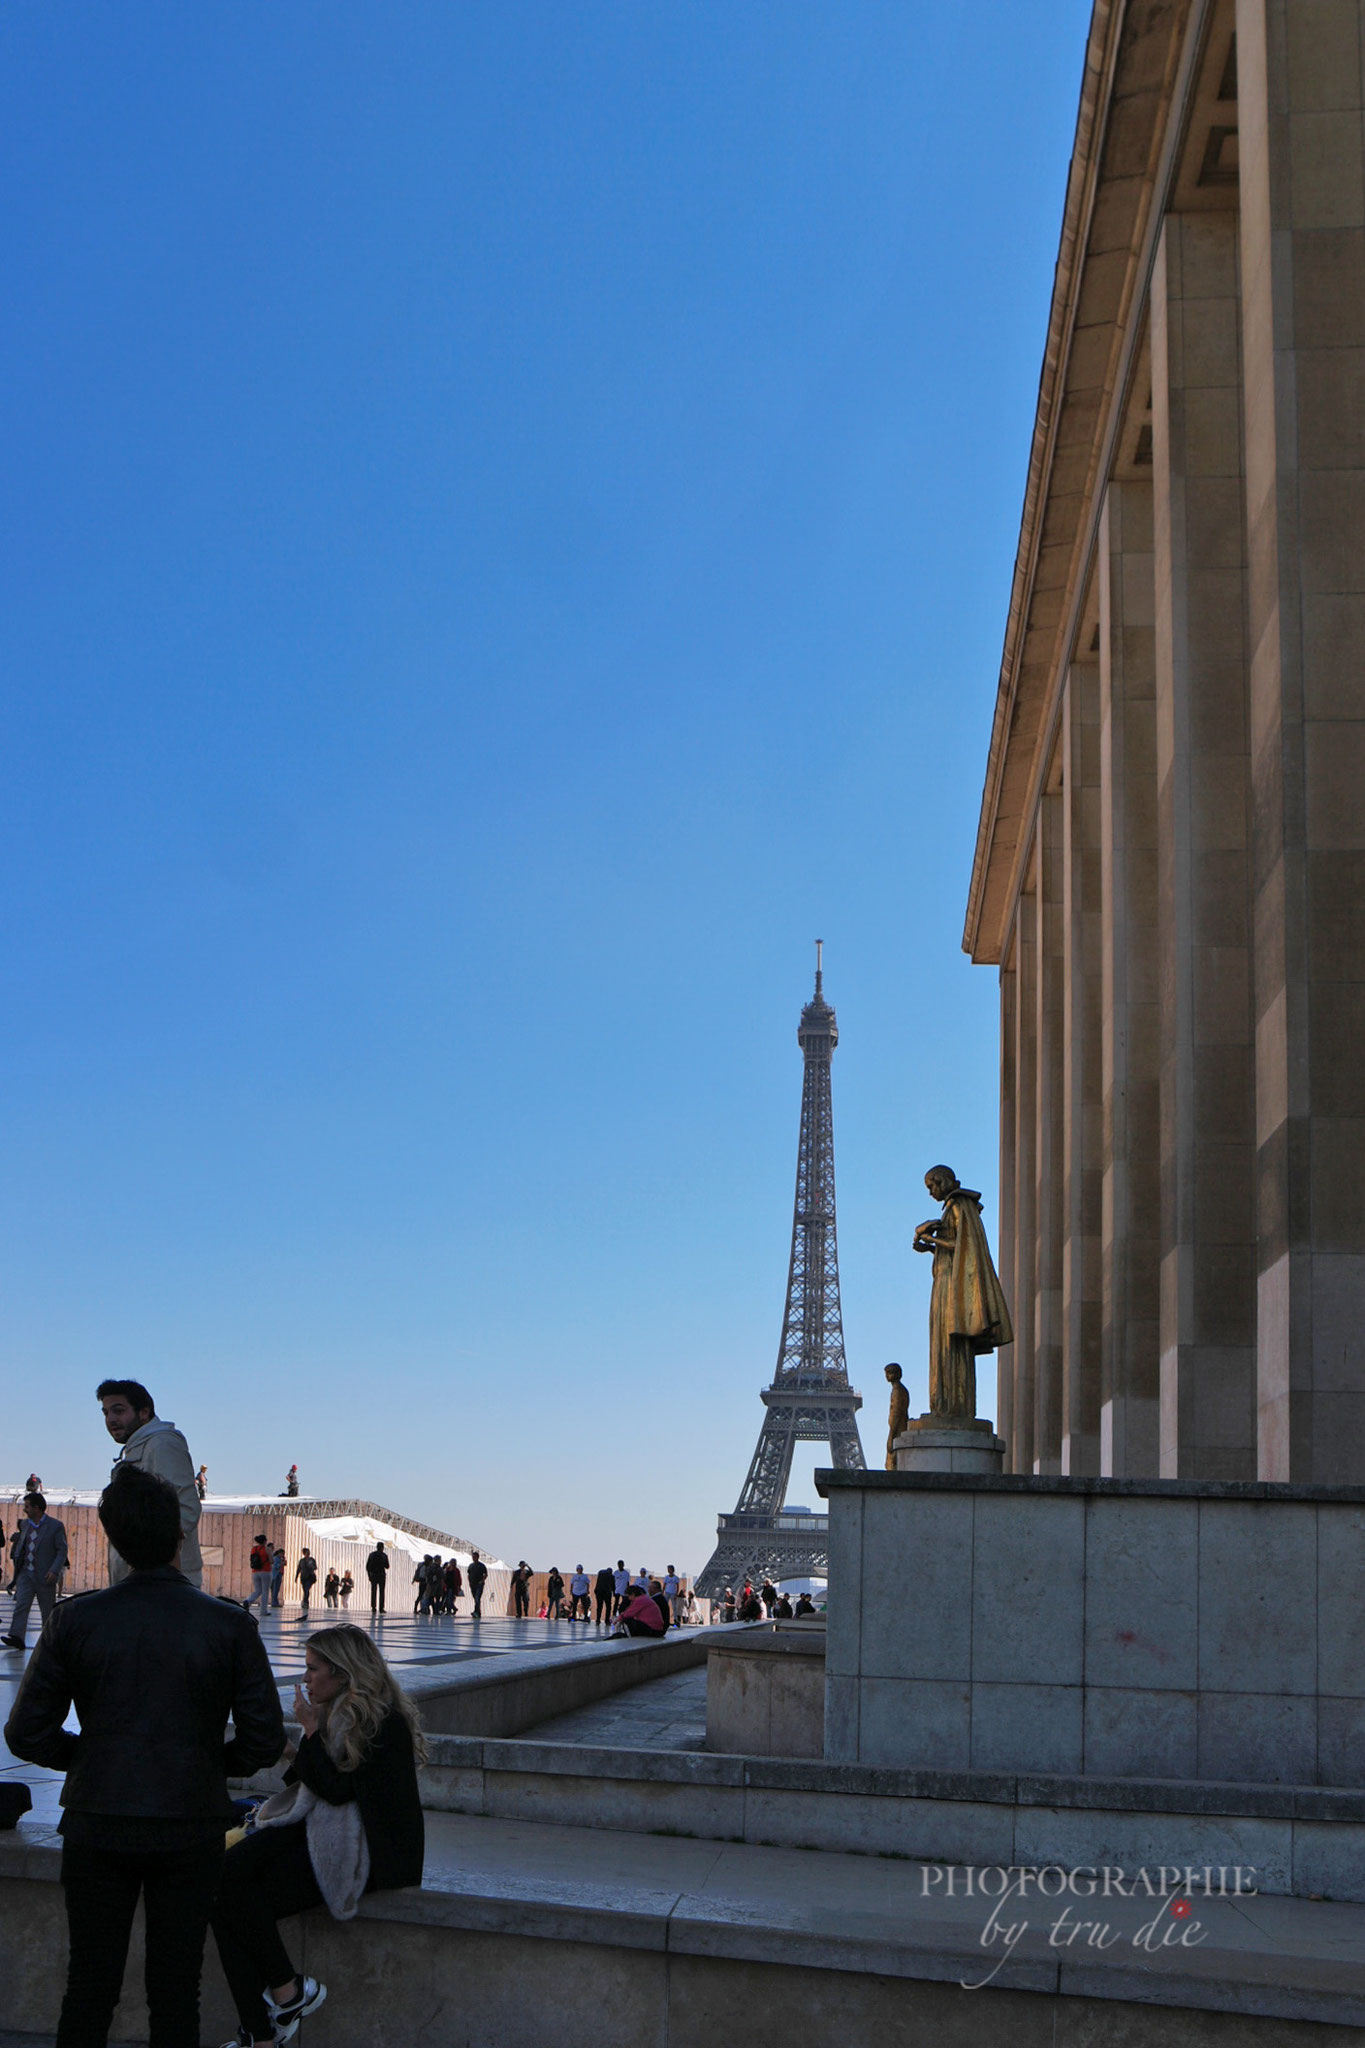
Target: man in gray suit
[41,1560]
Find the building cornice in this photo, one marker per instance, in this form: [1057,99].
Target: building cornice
[1137,63]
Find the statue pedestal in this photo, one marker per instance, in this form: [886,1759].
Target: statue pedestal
[933,1445]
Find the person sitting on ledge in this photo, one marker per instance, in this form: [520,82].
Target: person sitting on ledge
[642,1615]
[348,1822]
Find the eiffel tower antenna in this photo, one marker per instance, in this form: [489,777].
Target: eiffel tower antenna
[810,1399]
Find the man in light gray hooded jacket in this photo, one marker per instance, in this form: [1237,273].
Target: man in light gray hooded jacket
[131,1419]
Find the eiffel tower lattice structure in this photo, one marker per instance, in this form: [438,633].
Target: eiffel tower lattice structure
[810,1399]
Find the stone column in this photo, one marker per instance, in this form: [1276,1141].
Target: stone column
[1208,1243]
[1130,1063]
[1049,1213]
[1303,264]
[1004,1359]
[1019,1456]
[1083,1113]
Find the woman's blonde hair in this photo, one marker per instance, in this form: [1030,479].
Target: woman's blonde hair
[370,1692]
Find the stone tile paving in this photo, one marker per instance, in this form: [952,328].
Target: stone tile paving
[663,1713]
[426,1651]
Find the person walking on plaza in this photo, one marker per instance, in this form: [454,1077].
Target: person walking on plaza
[278,1561]
[306,1573]
[603,1595]
[262,1562]
[349,1821]
[478,1577]
[377,1572]
[672,1587]
[620,1586]
[421,1578]
[579,1586]
[41,1557]
[521,1591]
[155,1671]
[346,1588]
[331,1587]
[554,1593]
[153,1446]
[454,1579]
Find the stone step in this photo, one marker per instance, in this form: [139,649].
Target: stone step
[1306,1841]
[525,1934]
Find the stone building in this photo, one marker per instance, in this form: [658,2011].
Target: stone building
[1170,864]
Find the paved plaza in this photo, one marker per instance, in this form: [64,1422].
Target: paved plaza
[426,1652]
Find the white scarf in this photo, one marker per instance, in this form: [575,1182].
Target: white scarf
[337,1846]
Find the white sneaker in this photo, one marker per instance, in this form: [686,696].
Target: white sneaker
[286,2018]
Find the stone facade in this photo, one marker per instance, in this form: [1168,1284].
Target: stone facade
[1170,866]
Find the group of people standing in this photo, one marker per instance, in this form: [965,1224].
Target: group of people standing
[603,1600]
[439,1582]
[767,1603]
[158,1673]
[439,1585]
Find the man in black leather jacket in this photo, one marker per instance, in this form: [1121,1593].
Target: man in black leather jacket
[155,1670]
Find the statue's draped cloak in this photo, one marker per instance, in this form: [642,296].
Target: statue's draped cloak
[967,1310]
[974,1301]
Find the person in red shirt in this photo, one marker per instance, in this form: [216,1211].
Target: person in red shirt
[262,1558]
[643,1615]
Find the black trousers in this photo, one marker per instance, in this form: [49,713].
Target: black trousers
[604,1606]
[376,1596]
[521,1599]
[477,1594]
[265,1879]
[102,1887]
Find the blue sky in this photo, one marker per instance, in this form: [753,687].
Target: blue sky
[510,523]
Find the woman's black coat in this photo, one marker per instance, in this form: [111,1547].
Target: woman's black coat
[384,1787]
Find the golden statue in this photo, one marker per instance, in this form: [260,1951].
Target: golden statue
[967,1310]
[899,1418]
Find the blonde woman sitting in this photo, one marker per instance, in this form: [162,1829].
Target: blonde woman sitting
[348,1822]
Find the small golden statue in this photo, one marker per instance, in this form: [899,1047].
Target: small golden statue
[899,1418]
[967,1310]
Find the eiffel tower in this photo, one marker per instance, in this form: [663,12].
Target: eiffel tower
[810,1399]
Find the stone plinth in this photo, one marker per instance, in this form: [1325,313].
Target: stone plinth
[1198,1629]
[765,1691]
[932,1445]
